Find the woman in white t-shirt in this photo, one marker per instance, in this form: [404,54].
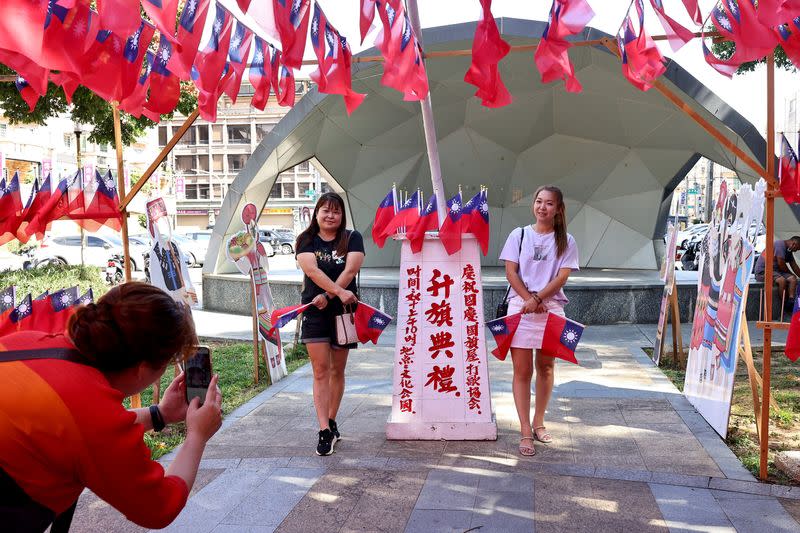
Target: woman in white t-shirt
[537,270]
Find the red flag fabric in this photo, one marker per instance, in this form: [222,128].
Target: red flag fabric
[736,20]
[503,330]
[103,65]
[452,227]
[207,102]
[428,221]
[403,68]
[10,221]
[561,337]
[211,60]
[789,39]
[27,93]
[190,31]
[133,57]
[407,215]
[292,23]
[792,348]
[567,17]
[39,200]
[51,314]
[163,14]
[787,172]
[103,210]
[281,317]
[258,76]
[642,63]
[134,102]
[68,33]
[572,18]
[35,75]
[694,11]
[56,206]
[773,13]
[244,5]
[120,17]
[22,27]
[488,48]
[333,76]
[14,320]
[10,200]
[383,216]
[677,35]
[285,83]
[725,67]
[238,52]
[163,100]
[366,17]
[476,219]
[67,81]
[370,323]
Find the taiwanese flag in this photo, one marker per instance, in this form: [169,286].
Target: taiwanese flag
[103,65]
[428,221]
[561,337]
[694,11]
[552,58]
[383,216]
[35,75]
[370,323]
[37,202]
[793,337]
[452,228]
[163,14]
[67,35]
[237,59]
[642,63]
[366,17]
[190,31]
[476,219]
[8,299]
[119,16]
[407,215]
[165,86]
[726,67]
[259,78]
[133,57]
[10,200]
[403,68]
[27,92]
[789,39]
[334,59]
[286,89]
[67,81]
[488,48]
[207,102]
[56,206]
[87,298]
[104,207]
[10,223]
[292,23]
[11,322]
[50,312]
[503,330]
[210,62]
[776,12]
[737,21]
[787,172]
[22,27]
[134,102]
[281,317]
[677,35]
[572,18]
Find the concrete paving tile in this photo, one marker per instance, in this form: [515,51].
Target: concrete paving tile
[93,515]
[410,464]
[272,499]
[739,486]
[315,461]
[364,463]
[785,492]
[503,511]
[564,503]
[505,481]
[386,503]
[688,510]
[728,495]
[225,528]
[448,489]
[684,480]
[430,521]
[220,463]
[263,463]
[792,507]
[758,516]
[412,449]
[651,417]
[622,474]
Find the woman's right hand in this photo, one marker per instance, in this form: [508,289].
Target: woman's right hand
[530,305]
[347,297]
[320,301]
[204,420]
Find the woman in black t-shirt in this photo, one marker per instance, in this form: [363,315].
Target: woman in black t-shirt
[330,257]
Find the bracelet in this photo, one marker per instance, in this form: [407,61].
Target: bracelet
[158,420]
[536,297]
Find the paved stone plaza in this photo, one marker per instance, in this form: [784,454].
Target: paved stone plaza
[629,454]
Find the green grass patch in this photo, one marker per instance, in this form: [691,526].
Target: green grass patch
[233,361]
[784,428]
[53,278]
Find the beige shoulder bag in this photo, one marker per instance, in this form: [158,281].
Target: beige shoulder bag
[346,327]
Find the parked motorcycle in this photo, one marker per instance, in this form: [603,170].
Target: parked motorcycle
[114,271]
[690,260]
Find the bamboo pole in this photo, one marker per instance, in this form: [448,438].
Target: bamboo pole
[159,159]
[121,191]
[769,252]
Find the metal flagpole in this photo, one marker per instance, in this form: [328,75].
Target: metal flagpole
[429,126]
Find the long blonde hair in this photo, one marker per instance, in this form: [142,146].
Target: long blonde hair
[560,221]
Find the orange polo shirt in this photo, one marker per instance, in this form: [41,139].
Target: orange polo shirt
[63,428]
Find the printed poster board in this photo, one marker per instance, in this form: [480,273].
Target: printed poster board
[668,277]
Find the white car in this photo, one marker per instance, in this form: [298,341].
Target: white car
[690,234]
[66,250]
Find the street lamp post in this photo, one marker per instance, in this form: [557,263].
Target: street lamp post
[78,131]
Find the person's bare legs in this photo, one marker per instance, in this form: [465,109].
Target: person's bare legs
[792,288]
[545,376]
[320,355]
[522,360]
[336,380]
[781,283]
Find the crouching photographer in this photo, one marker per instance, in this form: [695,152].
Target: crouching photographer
[63,427]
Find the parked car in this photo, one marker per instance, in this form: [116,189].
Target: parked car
[66,250]
[194,249]
[282,241]
[691,234]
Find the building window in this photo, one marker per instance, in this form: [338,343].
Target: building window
[190,136]
[303,167]
[287,190]
[3,130]
[218,192]
[162,135]
[197,191]
[236,162]
[303,189]
[202,134]
[324,187]
[217,160]
[216,133]
[239,134]
[68,140]
[203,162]
[185,164]
[262,130]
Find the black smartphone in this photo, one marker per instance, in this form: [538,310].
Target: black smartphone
[198,374]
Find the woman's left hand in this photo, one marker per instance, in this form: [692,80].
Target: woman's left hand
[173,404]
[320,301]
[540,308]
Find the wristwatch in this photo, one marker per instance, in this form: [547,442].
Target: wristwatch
[158,420]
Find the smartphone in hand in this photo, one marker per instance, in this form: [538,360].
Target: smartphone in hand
[198,374]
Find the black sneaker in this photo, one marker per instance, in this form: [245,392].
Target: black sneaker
[325,444]
[334,428]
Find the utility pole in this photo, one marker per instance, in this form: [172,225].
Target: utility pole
[709,199]
[80,169]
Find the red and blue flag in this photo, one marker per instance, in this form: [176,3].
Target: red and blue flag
[210,61]
[258,76]
[27,92]
[292,23]
[453,227]
[561,337]
[552,57]
[370,323]
[488,48]
[163,14]
[407,215]
[119,16]
[787,172]
[238,52]
[383,216]
[428,221]
[642,63]
[190,31]
[476,219]
[10,199]
[281,317]
[503,330]
[163,100]
[789,39]
[366,17]
[87,298]
[677,35]
[8,298]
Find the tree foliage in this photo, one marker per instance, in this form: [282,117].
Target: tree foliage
[87,108]
[725,49]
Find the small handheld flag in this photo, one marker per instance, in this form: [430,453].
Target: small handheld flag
[370,323]
[503,330]
[281,317]
[561,337]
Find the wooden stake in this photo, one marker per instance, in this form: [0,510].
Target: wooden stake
[159,159]
[126,251]
[677,339]
[255,328]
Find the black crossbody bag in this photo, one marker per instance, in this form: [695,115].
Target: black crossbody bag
[502,307]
